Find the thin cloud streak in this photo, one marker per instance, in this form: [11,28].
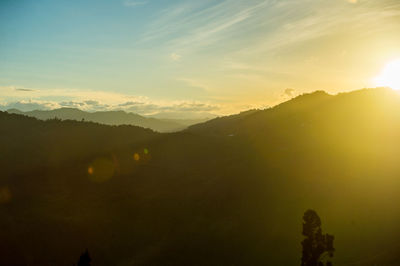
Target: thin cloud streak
[195,83]
[279,23]
[195,25]
[322,20]
[130,3]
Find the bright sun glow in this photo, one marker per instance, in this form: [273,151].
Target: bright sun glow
[390,76]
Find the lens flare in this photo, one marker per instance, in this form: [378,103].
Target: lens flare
[5,195]
[90,170]
[101,170]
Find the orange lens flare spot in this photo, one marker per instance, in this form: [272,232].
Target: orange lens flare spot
[101,170]
[5,195]
[90,170]
[136,157]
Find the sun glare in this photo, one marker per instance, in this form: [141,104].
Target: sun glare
[390,76]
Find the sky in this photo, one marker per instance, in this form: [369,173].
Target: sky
[193,57]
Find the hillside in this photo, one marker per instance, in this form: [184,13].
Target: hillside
[230,191]
[109,118]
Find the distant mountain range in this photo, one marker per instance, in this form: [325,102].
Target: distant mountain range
[112,118]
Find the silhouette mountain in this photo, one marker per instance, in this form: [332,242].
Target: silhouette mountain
[111,118]
[228,191]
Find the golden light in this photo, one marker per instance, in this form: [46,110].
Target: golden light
[390,76]
[136,157]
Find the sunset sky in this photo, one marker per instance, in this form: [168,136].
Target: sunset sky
[219,57]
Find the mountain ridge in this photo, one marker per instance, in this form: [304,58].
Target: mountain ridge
[117,117]
[231,191]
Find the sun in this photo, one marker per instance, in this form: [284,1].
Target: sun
[390,76]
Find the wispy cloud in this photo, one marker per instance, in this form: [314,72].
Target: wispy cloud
[29,105]
[261,26]
[195,83]
[182,107]
[132,3]
[198,24]
[301,22]
[289,92]
[23,89]
[175,57]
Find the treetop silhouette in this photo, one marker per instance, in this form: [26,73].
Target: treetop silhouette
[315,245]
[85,259]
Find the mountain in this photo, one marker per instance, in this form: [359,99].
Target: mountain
[109,118]
[28,142]
[230,191]
[186,122]
[184,115]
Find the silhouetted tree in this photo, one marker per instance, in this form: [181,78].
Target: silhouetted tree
[315,245]
[85,259]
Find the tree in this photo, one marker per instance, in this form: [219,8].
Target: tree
[85,259]
[315,245]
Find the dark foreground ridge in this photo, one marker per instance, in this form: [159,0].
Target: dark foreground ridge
[226,192]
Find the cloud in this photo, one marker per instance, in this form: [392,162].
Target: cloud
[289,92]
[23,89]
[154,108]
[46,99]
[175,57]
[198,24]
[299,22]
[29,105]
[92,102]
[260,27]
[131,3]
[89,105]
[194,83]
[71,104]
[130,104]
